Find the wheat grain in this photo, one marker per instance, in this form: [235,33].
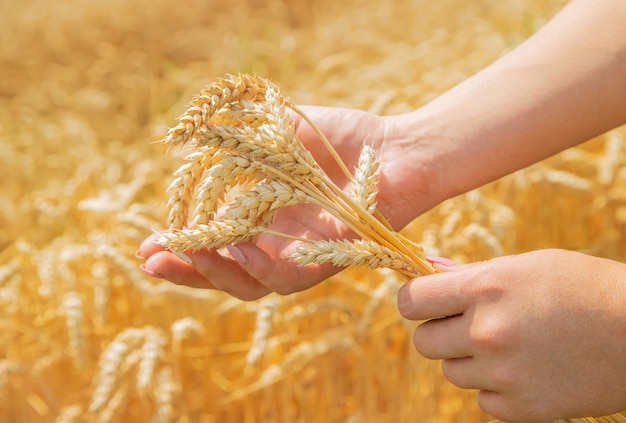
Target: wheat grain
[215,234]
[501,220]
[113,408]
[353,253]
[450,223]
[230,171]
[10,281]
[364,183]
[73,307]
[70,414]
[607,164]
[566,179]
[165,393]
[152,352]
[47,272]
[7,369]
[183,329]
[476,231]
[182,187]
[101,292]
[115,361]
[260,204]
[8,271]
[309,309]
[210,100]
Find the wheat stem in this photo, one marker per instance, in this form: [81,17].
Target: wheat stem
[325,141]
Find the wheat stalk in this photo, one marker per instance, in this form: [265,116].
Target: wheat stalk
[241,137]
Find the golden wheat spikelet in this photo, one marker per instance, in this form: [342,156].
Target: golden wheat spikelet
[364,183]
[353,253]
[210,100]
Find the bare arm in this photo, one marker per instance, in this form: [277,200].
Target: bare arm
[563,86]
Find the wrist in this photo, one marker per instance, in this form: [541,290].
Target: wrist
[413,166]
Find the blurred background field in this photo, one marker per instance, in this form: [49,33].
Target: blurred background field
[86,87]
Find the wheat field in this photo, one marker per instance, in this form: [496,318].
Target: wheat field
[85,90]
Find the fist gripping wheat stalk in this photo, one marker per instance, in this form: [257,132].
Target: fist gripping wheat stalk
[247,162]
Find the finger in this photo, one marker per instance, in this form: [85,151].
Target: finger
[506,406]
[466,373]
[434,296]
[149,247]
[444,338]
[227,275]
[279,275]
[166,265]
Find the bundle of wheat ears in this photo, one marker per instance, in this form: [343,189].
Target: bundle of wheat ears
[246,164]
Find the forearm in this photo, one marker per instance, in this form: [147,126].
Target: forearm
[560,88]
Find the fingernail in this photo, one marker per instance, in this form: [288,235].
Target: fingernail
[441,261]
[149,272]
[184,257]
[237,254]
[139,256]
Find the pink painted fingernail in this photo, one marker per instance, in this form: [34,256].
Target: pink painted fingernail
[149,272]
[441,261]
[238,254]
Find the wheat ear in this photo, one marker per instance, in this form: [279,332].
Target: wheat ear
[240,126]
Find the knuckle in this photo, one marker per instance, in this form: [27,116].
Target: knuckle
[490,334]
[486,338]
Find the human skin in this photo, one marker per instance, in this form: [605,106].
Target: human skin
[542,334]
[561,87]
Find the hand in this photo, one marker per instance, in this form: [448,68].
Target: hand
[542,335]
[249,271]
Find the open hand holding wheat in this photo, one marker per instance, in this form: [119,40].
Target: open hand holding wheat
[245,163]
